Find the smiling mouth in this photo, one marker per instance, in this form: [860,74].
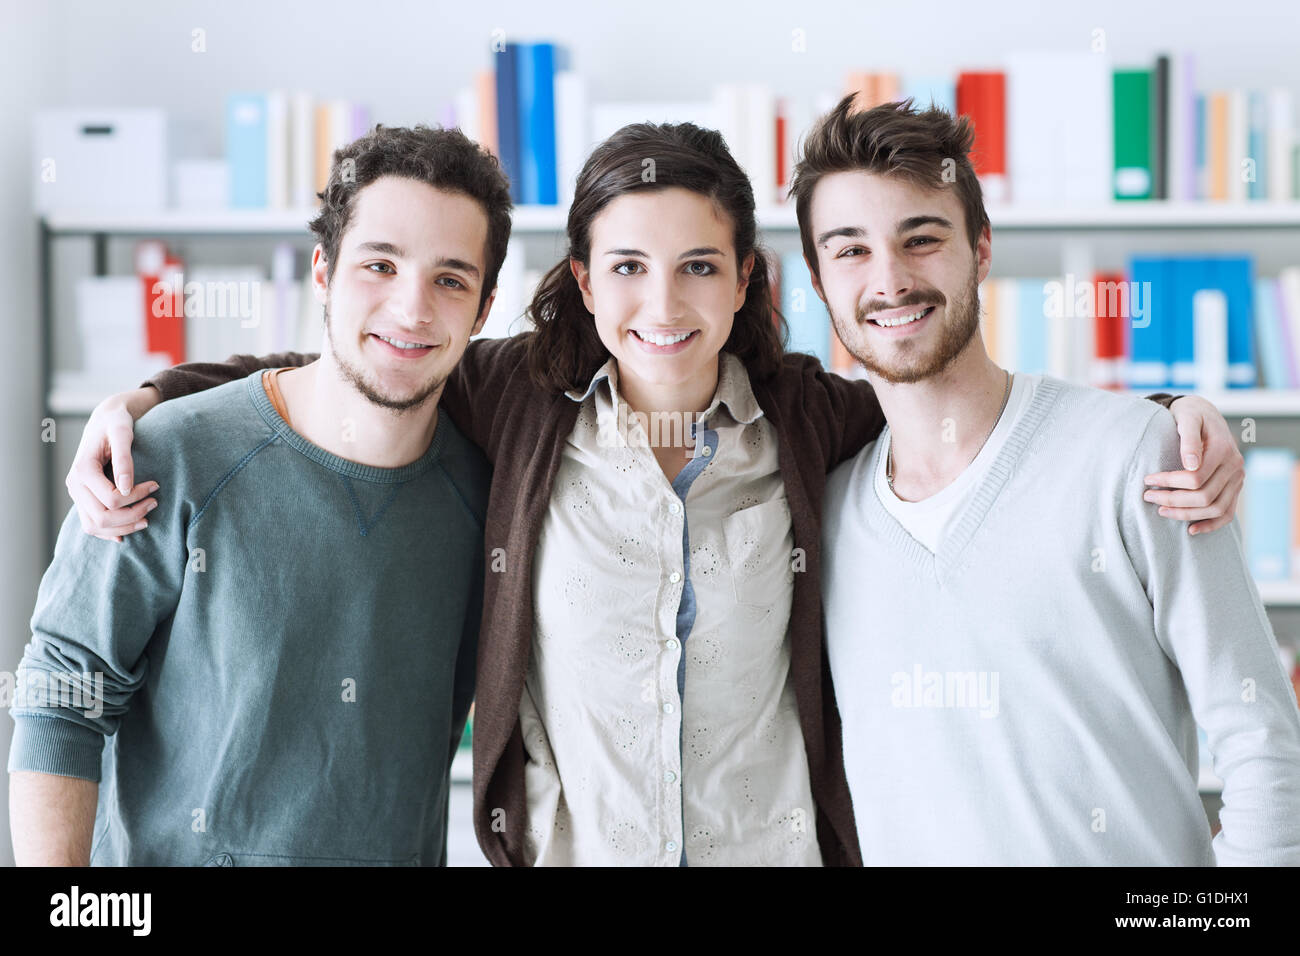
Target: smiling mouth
[652,338]
[413,347]
[902,319]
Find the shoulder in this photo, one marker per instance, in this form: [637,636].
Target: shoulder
[465,466]
[189,440]
[1128,425]
[803,385]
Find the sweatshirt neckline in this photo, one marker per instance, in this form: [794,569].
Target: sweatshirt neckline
[986,491]
[352,469]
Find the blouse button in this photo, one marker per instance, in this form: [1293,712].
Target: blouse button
[674,577]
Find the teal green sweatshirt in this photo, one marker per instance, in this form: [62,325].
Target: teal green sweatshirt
[278,670]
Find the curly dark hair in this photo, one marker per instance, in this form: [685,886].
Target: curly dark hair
[443,158]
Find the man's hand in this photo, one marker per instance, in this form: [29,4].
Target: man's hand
[1206,492]
[107,512]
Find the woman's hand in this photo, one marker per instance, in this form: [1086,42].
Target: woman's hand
[107,512]
[1207,491]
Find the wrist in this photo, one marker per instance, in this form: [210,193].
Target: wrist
[140,400]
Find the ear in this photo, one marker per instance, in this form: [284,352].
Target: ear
[816,282]
[583,277]
[482,316]
[742,282]
[320,274]
[984,254]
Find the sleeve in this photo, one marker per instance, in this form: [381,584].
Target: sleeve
[198,376]
[97,608]
[466,658]
[1211,623]
[844,413]
[474,389]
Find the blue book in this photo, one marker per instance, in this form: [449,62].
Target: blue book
[246,149]
[536,76]
[1257,111]
[1268,327]
[1031,326]
[508,115]
[925,90]
[1186,275]
[1236,277]
[1151,342]
[805,314]
[1268,518]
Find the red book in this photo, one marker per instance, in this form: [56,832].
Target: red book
[1110,298]
[982,96]
[782,161]
[164,304]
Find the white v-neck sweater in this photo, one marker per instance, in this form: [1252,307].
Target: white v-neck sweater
[1029,693]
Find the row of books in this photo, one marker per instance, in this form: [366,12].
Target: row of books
[1049,127]
[1053,127]
[279,146]
[1187,322]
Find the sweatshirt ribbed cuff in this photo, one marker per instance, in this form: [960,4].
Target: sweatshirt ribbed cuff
[49,744]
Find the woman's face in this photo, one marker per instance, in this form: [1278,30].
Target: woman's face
[664,285]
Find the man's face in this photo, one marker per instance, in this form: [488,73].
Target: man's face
[403,301]
[892,252]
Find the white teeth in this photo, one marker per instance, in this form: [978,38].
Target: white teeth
[661,339]
[400,344]
[902,319]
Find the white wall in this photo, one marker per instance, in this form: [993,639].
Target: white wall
[406,59]
[25,79]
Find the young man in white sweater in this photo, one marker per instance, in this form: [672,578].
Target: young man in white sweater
[1022,649]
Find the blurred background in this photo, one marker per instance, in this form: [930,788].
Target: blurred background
[1140,163]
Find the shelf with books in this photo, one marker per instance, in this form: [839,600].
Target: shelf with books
[1155,215]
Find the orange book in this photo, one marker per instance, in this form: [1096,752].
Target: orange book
[887,88]
[323,152]
[864,85]
[485,91]
[1216,150]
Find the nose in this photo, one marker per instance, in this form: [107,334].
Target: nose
[664,298]
[411,301]
[891,278]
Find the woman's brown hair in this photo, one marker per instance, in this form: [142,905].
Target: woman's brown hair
[566,351]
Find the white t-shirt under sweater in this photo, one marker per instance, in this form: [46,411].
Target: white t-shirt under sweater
[1029,693]
[929,520]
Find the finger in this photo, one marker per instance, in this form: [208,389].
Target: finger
[1203,497]
[1190,480]
[1205,527]
[89,474]
[1191,445]
[101,521]
[119,441]
[1190,514]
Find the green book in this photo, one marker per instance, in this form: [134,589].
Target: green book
[1132,89]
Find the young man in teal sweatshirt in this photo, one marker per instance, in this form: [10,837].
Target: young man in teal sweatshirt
[279,672]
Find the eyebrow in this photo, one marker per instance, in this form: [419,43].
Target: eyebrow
[689,254]
[388,249]
[904,225]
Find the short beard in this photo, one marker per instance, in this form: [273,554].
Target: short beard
[356,378]
[963,321]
